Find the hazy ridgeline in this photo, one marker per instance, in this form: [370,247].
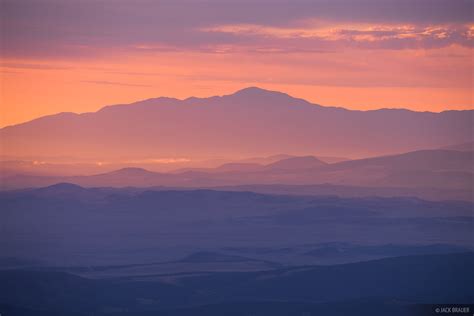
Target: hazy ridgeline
[306,232]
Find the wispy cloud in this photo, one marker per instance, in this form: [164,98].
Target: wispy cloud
[76,29]
[113,83]
[33,66]
[159,161]
[395,35]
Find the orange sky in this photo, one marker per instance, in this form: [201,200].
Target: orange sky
[424,66]
[420,80]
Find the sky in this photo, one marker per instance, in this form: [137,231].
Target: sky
[78,56]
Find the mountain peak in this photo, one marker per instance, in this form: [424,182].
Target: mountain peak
[252,89]
[64,186]
[131,171]
[257,92]
[61,188]
[259,96]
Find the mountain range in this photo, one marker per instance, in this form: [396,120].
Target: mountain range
[250,122]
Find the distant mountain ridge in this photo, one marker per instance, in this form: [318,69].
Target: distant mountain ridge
[438,174]
[250,122]
[285,163]
[306,162]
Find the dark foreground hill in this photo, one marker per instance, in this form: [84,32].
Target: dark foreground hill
[394,286]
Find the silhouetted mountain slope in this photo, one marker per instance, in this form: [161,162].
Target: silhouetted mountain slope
[432,160]
[249,122]
[446,169]
[469,146]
